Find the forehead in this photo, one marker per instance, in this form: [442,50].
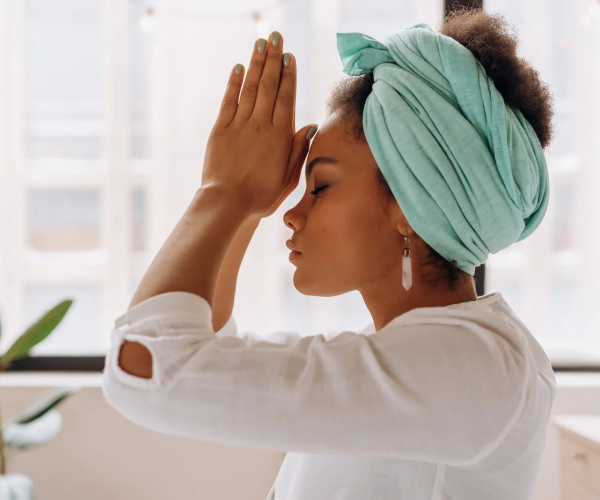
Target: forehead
[333,141]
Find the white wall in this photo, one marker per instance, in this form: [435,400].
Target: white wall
[99,454]
[578,394]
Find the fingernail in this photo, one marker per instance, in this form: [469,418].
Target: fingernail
[262,45]
[275,37]
[238,68]
[286,59]
[311,132]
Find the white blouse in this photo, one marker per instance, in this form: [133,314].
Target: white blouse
[442,403]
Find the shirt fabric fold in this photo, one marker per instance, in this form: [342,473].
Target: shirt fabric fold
[437,392]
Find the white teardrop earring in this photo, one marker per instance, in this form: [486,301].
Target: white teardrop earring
[406,263]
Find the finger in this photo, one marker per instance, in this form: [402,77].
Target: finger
[229,104]
[269,80]
[299,151]
[250,88]
[295,90]
[283,114]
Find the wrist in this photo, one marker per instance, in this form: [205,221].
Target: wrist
[224,201]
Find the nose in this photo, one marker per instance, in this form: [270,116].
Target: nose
[292,218]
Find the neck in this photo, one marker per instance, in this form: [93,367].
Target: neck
[419,295]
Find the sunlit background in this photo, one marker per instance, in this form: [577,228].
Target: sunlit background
[105,110]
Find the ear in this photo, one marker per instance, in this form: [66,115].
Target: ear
[404,227]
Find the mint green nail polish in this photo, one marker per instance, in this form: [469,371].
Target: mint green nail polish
[262,45]
[275,38]
[311,132]
[286,59]
[238,68]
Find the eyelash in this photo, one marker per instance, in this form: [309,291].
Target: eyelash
[320,188]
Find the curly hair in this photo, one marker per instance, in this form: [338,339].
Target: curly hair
[489,38]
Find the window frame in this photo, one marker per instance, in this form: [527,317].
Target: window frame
[118,179]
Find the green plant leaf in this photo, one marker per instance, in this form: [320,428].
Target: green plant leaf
[35,433]
[46,403]
[35,333]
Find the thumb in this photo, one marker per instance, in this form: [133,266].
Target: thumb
[300,146]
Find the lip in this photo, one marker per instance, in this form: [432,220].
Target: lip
[294,254]
[291,246]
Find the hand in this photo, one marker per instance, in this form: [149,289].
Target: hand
[253,153]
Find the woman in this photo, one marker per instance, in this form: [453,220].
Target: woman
[433,155]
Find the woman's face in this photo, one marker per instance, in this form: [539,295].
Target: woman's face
[348,232]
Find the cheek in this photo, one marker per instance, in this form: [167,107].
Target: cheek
[345,221]
[351,228]
[343,248]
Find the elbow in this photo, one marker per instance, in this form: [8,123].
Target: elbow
[135,359]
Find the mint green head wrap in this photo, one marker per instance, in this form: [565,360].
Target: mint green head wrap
[467,170]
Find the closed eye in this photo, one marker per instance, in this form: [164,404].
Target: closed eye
[319,189]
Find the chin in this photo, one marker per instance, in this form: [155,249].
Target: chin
[316,287]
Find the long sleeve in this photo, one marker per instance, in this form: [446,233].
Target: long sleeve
[230,329]
[422,390]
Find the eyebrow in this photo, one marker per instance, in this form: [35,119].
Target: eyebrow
[318,159]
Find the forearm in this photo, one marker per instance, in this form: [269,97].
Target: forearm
[202,255]
[191,258]
[228,274]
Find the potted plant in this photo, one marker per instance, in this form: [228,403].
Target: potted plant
[39,423]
